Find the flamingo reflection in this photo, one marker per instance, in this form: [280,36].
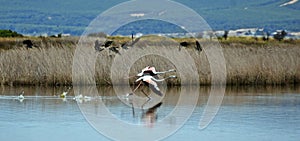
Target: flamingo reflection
[150,116]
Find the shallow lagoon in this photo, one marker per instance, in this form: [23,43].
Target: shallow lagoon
[246,113]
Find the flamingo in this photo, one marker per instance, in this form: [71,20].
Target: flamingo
[152,71]
[150,81]
[149,77]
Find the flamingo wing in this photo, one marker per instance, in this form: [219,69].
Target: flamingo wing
[153,86]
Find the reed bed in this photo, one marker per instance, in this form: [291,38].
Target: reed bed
[246,64]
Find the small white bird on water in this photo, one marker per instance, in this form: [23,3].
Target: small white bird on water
[21,96]
[87,98]
[79,98]
[63,95]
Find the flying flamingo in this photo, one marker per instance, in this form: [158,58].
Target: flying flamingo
[150,82]
[152,72]
[148,76]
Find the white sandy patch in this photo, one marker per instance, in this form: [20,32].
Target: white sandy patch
[288,3]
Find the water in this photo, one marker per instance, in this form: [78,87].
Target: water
[247,113]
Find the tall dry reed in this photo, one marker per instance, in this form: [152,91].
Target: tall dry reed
[51,64]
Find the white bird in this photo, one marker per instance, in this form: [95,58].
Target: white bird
[152,71]
[79,98]
[87,98]
[21,96]
[63,95]
[150,81]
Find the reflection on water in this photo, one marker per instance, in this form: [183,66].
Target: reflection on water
[247,113]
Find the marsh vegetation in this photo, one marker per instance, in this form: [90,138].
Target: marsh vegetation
[50,61]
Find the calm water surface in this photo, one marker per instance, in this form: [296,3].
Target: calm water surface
[246,114]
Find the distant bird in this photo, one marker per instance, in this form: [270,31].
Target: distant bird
[28,43]
[114,49]
[80,98]
[64,94]
[150,82]
[126,45]
[98,46]
[135,41]
[21,96]
[87,98]
[108,43]
[101,46]
[198,46]
[183,44]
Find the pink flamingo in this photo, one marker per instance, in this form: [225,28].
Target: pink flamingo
[152,71]
[150,81]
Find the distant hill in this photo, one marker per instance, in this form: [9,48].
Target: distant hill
[56,16]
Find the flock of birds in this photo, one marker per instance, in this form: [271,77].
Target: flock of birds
[79,98]
[100,46]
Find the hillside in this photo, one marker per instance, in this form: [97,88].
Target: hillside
[52,17]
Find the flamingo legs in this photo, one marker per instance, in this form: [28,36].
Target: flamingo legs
[138,86]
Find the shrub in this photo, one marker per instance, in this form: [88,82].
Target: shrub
[9,33]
